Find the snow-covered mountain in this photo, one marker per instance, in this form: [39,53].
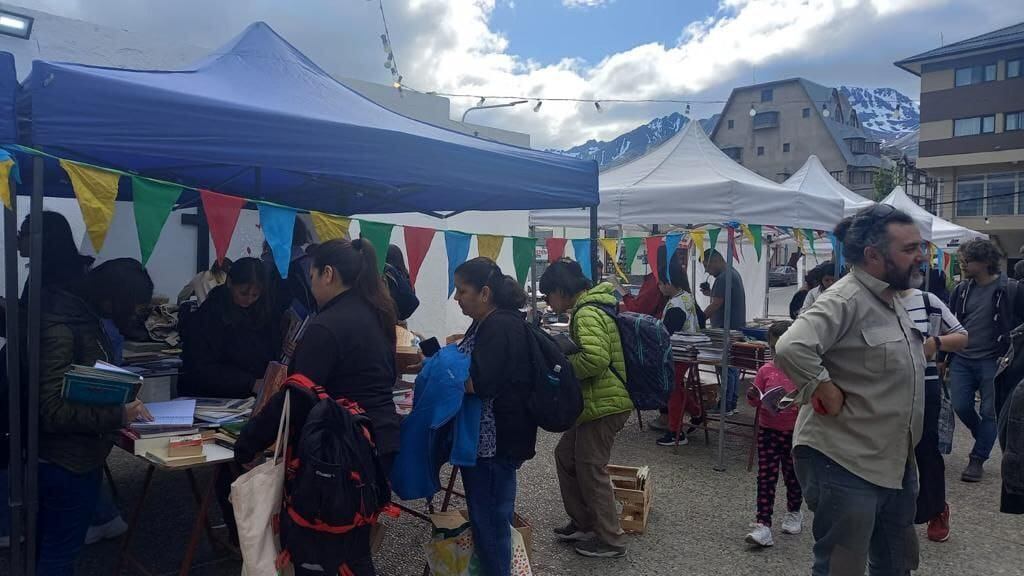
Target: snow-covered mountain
[636,142]
[885,112]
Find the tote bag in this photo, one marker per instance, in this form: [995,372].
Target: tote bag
[256,499]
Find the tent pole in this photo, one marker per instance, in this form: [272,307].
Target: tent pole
[595,275]
[726,349]
[35,285]
[767,252]
[532,316]
[16,472]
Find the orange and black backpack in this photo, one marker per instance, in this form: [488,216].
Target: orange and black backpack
[334,483]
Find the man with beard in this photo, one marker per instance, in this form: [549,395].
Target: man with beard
[858,362]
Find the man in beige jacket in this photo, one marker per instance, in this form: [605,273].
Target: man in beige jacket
[858,362]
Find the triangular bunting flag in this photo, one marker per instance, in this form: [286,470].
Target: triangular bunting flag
[8,168]
[713,238]
[379,235]
[630,246]
[652,243]
[278,225]
[456,244]
[221,217]
[581,248]
[810,239]
[417,244]
[152,203]
[329,227]
[610,246]
[798,237]
[489,246]
[556,248]
[755,232]
[698,243]
[734,244]
[96,191]
[671,244]
[524,250]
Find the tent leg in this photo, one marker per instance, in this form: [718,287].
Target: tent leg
[595,274]
[202,240]
[16,471]
[533,316]
[726,349]
[35,285]
[767,271]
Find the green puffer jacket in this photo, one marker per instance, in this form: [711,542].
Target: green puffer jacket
[598,338]
[73,436]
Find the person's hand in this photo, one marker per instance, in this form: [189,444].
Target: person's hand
[614,281]
[453,338]
[930,348]
[753,395]
[705,290]
[828,399]
[136,411]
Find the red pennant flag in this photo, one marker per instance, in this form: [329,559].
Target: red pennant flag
[735,247]
[417,243]
[222,217]
[556,248]
[652,243]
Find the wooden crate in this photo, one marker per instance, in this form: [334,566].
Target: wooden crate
[635,499]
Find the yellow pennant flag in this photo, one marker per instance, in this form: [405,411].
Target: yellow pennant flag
[96,190]
[330,227]
[5,181]
[799,237]
[489,246]
[748,234]
[611,246]
[698,242]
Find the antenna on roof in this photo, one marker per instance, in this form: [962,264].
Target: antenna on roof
[942,42]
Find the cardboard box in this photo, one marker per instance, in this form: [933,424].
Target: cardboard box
[452,519]
[634,492]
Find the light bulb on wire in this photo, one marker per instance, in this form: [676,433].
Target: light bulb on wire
[753,111]
[537,107]
[481,102]
[687,108]
[597,105]
[824,110]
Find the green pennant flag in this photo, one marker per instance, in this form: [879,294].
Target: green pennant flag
[630,246]
[755,231]
[524,250]
[378,234]
[713,239]
[809,234]
[153,202]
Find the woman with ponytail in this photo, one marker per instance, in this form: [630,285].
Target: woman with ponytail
[349,349]
[500,375]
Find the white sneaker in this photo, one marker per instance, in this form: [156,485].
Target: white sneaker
[113,529]
[761,535]
[793,523]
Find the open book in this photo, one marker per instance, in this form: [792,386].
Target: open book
[771,398]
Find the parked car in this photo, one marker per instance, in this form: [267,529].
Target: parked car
[782,276]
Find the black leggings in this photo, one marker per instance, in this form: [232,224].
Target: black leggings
[931,468]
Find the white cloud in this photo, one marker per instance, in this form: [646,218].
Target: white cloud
[585,3]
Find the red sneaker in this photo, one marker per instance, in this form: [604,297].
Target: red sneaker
[938,527]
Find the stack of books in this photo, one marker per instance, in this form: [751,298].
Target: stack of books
[227,434]
[222,411]
[100,385]
[685,347]
[171,416]
[713,350]
[140,443]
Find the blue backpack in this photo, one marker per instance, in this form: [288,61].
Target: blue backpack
[647,347]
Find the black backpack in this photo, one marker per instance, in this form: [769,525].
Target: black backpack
[334,483]
[556,400]
[401,291]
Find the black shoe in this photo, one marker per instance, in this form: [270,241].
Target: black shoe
[669,439]
[572,533]
[597,549]
[975,470]
[695,422]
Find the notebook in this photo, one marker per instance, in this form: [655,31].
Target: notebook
[168,414]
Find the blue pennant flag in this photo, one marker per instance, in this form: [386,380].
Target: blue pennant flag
[457,246]
[582,249]
[278,225]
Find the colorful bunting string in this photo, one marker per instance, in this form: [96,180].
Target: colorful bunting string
[610,246]
[152,203]
[489,245]
[278,225]
[379,235]
[96,191]
[221,216]
[630,246]
[556,248]
[457,246]
[8,168]
[713,238]
[671,244]
[417,244]
[524,250]
[582,250]
[652,243]
[329,227]
[698,243]
[811,239]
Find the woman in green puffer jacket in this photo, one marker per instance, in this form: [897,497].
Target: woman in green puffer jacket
[583,452]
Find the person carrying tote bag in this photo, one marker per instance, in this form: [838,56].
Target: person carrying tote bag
[256,499]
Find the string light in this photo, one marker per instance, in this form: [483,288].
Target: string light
[687,108]
[385,39]
[537,107]
[598,106]
[824,110]
[753,111]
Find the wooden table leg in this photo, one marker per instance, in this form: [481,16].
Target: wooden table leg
[133,522]
[199,499]
[450,489]
[197,526]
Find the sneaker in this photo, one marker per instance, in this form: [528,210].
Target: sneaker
[669,439]
[761,535]
[571,533]
[113,529]
[938,527]
[793,523]
[597,549]
[694,423]
[974,472]
[716,412]
[659,424]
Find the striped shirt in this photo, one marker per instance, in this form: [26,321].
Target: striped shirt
[913,301]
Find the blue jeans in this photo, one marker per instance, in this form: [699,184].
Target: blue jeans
[857,523]
[491,496]
[66,504]
[106,508]
[967,378]
[732,384]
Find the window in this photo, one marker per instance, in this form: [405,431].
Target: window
[1014,121]
[974,126]
[999,190]
[975,75]
[857,145]
[760,150]
[963,76]
[806,112]
[731,124]
[785,147]
[767,95]
[838,175]
[766,120]
[990,73]
[734,152]
[1012,68]
[970,196]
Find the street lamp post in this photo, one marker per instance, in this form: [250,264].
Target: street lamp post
[505,105]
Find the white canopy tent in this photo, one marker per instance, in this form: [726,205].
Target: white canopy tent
[942,233]
[688,180]
[813,178]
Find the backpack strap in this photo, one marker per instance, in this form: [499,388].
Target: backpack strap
[614,313]
[303,383]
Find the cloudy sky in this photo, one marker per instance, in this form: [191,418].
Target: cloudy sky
[602,49]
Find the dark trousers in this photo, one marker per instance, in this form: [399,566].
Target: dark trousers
[857,523]
[66,504]
[931,468]
[491,497]
[775,454]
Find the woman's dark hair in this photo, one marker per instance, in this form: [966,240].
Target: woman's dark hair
[300,235]
[61,264]
[564,276]
[248,270]
[122,282]
[480,272]
[355,262]
[397,259]
[224,265]
[869,227]
[677,267]
[982,251]
[779,328]
[825,269]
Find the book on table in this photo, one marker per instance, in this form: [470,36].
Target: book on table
[168,416]
[161,456]
[102,384]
